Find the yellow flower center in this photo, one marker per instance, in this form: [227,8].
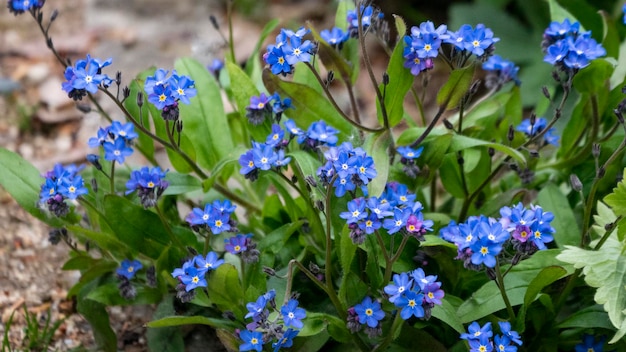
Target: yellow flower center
[254,341]
[475,43]
[427,47]
[356,213]
[150,184]
[218,223]
[281,60]
[369,312]
[369,223]
[237,248]
[162,97]
[410,154]
[195,279]
[180,91]
[130,269]
[264,160]
[431,295]
[250,163]
[537,234]
[412,303]
[72,189]
[484,250]
[362,169]
[411,228]
[260,105]
[523,234]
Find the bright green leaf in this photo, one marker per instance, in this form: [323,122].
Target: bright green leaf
[456,87]
[593,78]
[377,146]
[552,199]
[184,320]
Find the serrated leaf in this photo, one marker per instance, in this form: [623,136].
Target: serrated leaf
[605,270]
[617,199]
[456,87]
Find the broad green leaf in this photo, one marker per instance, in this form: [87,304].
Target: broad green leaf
[589,318]
[91,273]
[546,277]
[593,78]
[205,122]
[80,262]
[346,252]
[188,320]
[102,239]
[350,50]
[144,143]
[456,87]
[98,317]
[23,182]
[460,142]
[605,270]
[310,106]
[377,146]
[487,299]
[620,70]
[225,289]
[450,176]
[181,184]
[109,295]
[446,312]
[227,164]
[165,338]
[552,199]
[314,323]
[400,81]
[275,240]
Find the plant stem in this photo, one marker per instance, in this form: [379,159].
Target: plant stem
[430,127]
[505,297]
[397,324]
[167,227]
[112,178]
[334,103]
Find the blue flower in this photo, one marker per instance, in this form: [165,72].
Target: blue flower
[482,344]
[343,185]
[410,153]
[210,262]
[158,79]
[369,312]
[246,160]
[128,268]
[560,30]
[193,278]
[564,46]
[380,209]
[279,106]
[147,180]
[356,211]
[475,331]
[277,60]
[298,51]
[20,6]
[411,304]
[117,151]
[423,280]
[364,167]
[87,77]
[281,160]
[264,156]
[165,93]
[335,37]
[126,131]
[398,222]
[276,136]
[293,129]
[253,340]
[182,88]
[256,310]
[401,284]
[370,224]
[236,244]
[589,344]
[485,252]
[478,40]
[458,38]
[504,69]
[72,188]
[286,340]
[292,314]
[505,329]
[102,136]
[161,96]
[215,66]
[323,133]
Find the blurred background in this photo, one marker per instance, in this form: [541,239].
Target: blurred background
[38,121]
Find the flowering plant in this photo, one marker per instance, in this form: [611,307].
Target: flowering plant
[296,222]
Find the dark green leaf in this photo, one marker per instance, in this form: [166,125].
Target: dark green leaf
[589,318]
[79,262]
[400,81]
[205,125]
[97,316]
[456,87]
[377,146]
[225,289]
[102,239]
[593,79]
[552,199]
[109,295]
[184,320]
[23,182]
[310,105]
[446,312]
[243,89]
[275,240]
[165,338]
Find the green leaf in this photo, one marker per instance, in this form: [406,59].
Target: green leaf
[186,320]
[181,184]
[377,146]
[455,88]
[566,228]
[460,142]
[23,182]
[451,177]
[310,106]
[545,277]
[225,289]
[144,143]
[205,122]
[605,270]
[589,318]
[617,199]
[487,299]
[243,89]
[229,162]
[314,323]
[97,316]
[593,78]
[102,239]
[400,81]
[346,252]
[109,295]
[446,312]
[275,240]
[165,338]
[80,262]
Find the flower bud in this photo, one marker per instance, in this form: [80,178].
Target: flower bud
[54,15]
[575,182]
[546,92]
[448,124]
[385,78]
[595,150]
[214,22]
[511,133]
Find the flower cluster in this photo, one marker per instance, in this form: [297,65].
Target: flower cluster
[215,217]
[566,47]
[346,168]
[478,41]
[479,338]
[408,156]
[264,156]
[533,126]
[318,134]
[480,240]
[86,77]
[244,246]
[165,92]
[116,140]
[500,71]
[61,183]
[20,6]
[290,48]
[149,184]
[125,272]
[279,328]
[370,18]
[193,274]
[369,313]
[264,106]
[422,46]
[414,293]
